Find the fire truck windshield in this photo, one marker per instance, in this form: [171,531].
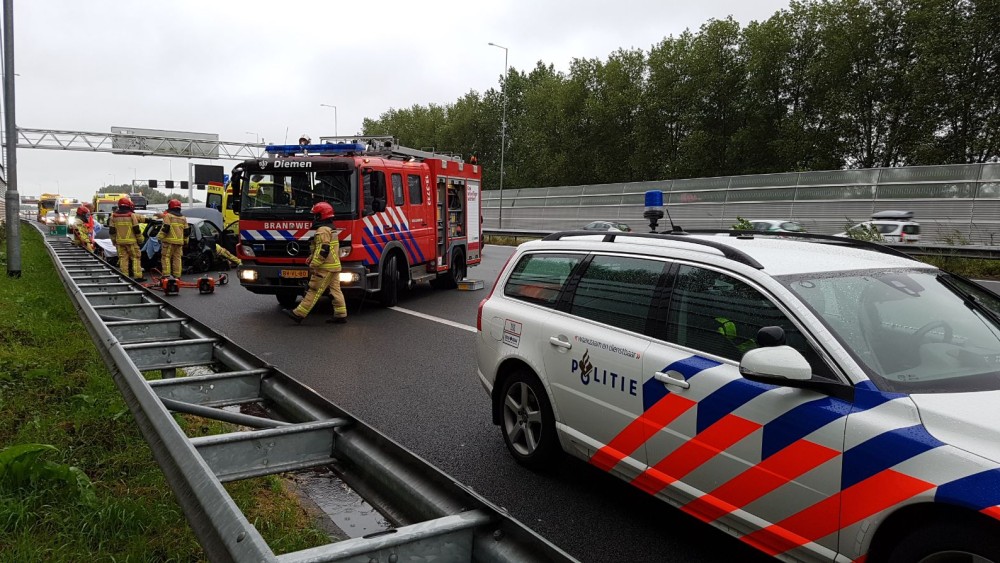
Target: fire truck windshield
[294,193]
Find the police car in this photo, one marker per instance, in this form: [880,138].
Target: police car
[822,399]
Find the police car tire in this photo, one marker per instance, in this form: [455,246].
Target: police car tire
[934,542]
[547,449]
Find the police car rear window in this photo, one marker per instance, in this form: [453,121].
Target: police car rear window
[538,278]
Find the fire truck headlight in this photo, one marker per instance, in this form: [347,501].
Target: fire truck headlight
[247,250]
[349,277]
[248,275]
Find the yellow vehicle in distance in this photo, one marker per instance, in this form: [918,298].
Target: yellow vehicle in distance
[221,198]
[46,203]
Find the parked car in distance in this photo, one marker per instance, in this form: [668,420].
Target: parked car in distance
[777,226]
[613,226]
[55,218]
[893,226]
[819,405]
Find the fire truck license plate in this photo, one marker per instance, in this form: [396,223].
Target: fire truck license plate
[295,273]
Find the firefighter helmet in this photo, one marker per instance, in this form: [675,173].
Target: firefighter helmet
[82,211]
[322,210]
[174,204]
[124,203]
[305,139]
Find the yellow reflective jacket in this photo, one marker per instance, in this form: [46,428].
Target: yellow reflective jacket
[122,232]
[173,229]
[325,237]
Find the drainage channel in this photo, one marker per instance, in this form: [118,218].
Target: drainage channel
[391,505]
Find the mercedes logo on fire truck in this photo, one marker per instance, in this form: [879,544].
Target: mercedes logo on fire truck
[292,249]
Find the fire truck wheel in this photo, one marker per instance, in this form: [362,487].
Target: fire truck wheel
[389,294]
[287,299]
[456,272]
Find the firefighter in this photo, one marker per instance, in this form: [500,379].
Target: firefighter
[81,230]
[324,268]
[304,141]
[173,234]
[224,254]
[126,235]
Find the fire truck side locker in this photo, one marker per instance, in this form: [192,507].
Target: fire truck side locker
[442,226]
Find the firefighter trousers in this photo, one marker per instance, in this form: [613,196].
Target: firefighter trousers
[170,259]
[128,256]
[318,284]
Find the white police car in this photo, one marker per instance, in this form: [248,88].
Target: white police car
[820,398]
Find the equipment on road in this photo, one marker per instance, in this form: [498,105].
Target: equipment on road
[170,285]
[402,216]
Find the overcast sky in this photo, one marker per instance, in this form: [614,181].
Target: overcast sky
[248,70]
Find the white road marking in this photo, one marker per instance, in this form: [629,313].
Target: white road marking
[435,319]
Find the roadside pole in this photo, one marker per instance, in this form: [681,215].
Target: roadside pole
[13,200]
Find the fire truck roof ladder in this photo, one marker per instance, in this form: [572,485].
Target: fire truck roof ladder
[382,146]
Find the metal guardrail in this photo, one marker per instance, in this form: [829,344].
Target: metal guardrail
[958,251]
[435,517]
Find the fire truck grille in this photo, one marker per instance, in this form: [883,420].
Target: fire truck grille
[279,248]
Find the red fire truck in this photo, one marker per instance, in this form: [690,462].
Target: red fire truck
[403,216]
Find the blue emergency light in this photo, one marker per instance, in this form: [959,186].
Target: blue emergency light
[326,148]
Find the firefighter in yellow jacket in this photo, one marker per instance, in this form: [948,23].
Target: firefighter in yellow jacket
[81,229]
[172,235]
[126,235]
[223,254]
[324,268]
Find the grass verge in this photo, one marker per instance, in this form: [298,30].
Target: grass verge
[115,506]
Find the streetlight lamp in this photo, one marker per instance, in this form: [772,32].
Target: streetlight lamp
[256,136]
[503,127]
[335,134]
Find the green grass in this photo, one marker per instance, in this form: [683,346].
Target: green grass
[55,390]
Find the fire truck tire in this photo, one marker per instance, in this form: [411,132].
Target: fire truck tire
[287,299]
[456,272]
[389,294]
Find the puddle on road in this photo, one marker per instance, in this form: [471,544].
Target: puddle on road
[348,511]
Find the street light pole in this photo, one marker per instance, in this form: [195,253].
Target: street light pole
[335,133]
[503,128]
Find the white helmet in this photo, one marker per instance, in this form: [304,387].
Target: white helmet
[305,139]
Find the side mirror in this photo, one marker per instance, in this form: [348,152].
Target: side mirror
[775,364]
[378,205]
[236,182]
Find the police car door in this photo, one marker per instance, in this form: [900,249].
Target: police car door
[593,360]
[762,459]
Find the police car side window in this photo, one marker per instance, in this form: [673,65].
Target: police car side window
[539,278]
[618,291]
[719,314]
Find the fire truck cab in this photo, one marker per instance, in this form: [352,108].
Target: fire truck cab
[402,216]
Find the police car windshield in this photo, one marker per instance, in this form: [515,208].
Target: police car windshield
[294,193]
[911,331]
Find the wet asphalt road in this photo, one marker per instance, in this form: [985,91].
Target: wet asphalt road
[415,380]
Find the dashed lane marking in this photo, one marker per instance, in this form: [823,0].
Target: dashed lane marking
[435,319]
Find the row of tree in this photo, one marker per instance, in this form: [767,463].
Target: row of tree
[821,85]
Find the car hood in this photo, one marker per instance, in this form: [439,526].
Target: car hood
[970,421]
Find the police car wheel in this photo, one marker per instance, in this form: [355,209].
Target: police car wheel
[527,422]
[949,542]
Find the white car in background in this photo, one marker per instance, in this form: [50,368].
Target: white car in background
[892,226]
[821,400]
[776,226]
